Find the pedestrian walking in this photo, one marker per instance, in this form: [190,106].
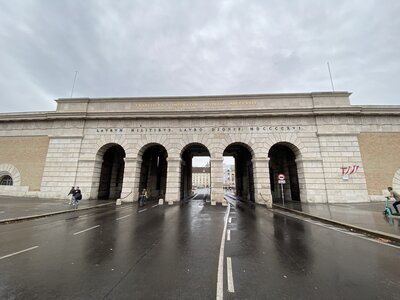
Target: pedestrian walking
[143,197]
[77,195]
[71,192]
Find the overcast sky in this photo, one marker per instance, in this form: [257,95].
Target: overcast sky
[205,47]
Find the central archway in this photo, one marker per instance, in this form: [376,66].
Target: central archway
[188,171]
[244,178]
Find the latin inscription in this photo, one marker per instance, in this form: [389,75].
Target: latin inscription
[251,129]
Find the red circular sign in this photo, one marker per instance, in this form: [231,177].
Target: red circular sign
[281,176]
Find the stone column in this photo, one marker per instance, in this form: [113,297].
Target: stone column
[262,185]
[217,190]
[173,179]
[130,185]
[311,181]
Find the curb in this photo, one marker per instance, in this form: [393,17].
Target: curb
[24,218]
[372,232]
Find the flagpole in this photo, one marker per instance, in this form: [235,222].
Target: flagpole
[330,76]
[73,85]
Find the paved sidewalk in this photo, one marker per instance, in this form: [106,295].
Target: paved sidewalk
[367,216]
[13,208]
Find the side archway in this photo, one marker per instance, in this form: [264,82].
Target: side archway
[283,157]
[153,170]
[110,164]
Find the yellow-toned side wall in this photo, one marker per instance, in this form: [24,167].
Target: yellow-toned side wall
[380,153]
[28,155]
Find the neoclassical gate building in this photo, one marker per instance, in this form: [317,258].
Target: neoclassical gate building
[327,150]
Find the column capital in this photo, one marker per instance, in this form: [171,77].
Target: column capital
[173,159]
[132,159]
[261,159]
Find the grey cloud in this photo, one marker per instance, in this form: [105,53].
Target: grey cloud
[145,48]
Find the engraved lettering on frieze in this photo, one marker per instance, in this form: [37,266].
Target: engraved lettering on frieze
[110,130]
[223,129]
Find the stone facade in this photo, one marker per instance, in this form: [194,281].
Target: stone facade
[201,176]
[332,147]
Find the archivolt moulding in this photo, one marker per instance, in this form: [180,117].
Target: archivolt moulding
[10,170]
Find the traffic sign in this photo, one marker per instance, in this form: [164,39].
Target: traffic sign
[280,181]
[281,176]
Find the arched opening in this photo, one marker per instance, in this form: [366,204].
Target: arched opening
[242,170]
[283,161]
[6,180]
[112,173]
[195,171]
[153,172]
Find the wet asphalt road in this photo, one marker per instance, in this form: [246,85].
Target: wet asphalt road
[172,252]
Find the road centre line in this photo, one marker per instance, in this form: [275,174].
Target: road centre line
[231,288]
[122,217]
[154,205]
[220,277]
[142,210]
[86,229]
[229,235]
[15,253]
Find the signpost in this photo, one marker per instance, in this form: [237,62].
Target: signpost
[282,181]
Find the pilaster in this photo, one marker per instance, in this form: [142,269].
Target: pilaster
[311,180]
[262,185]
[173,179]
[217,190]
[130,185]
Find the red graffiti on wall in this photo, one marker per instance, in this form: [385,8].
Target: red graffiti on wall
[349,170]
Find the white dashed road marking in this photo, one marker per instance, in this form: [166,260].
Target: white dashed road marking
[231,288]
[86,229]
[220,278]
[123,217]
[22,251]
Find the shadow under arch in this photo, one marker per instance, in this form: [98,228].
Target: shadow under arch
[283,157]
[187,154]
[153,170]
[110,163]
[243,155]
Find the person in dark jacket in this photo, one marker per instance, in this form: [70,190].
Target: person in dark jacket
[77,194]
[71,192]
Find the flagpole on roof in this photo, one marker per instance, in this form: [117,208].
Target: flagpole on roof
[73,85]
[330,76]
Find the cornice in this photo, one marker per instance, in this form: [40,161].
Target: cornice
[370,110]
[206,97]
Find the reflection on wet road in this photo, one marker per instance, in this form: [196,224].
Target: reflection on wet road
[172,252]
